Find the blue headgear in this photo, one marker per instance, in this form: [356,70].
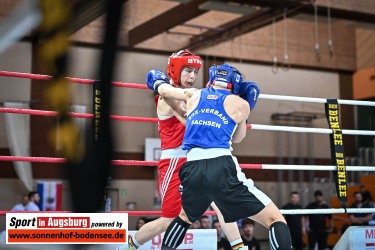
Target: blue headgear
[225,76]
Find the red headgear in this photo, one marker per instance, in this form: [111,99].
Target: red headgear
[179,60]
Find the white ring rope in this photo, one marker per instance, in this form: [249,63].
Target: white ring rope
[314,99]
[316,167]
[251,126]
[262,96]
[154,163]
[310,130]
[328,211]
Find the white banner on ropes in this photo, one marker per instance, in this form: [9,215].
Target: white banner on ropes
[357,238]
[18,135]
[194,239]
[363,238]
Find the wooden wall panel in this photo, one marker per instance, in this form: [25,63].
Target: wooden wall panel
[364,83]
[6,6]
[258,46]
[365,48]
[255,46]
[365,6]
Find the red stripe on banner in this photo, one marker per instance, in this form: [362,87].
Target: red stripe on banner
[370,244]
[58,197]
[158,187]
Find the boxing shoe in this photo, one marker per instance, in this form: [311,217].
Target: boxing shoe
[243,248]
[131,244]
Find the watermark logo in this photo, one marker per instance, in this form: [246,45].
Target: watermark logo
[66,228]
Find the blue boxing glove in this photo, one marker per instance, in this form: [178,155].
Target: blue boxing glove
[249,91]
[155,78]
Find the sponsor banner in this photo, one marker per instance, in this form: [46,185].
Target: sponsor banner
[363,238]
[66,228]
[50,193]
[337,150]
[194,239]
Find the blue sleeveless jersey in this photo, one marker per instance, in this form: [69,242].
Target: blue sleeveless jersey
[208,125]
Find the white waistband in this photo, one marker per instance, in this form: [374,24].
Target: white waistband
[206,153]
[173,153]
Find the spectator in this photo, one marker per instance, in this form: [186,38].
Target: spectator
[296,222]
[317,230]
[21,206]
[140,222]
[222,243]
[248,234]
[204,222]
[3,237]
[366,195]
[34,199]
[360,219]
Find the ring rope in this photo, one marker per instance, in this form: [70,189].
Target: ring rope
[70,79]
[309,130]
[62,160]
[155,163]
[283,211]
[253,126]
[73,114]
[154,120]
[315,100]
[143,86]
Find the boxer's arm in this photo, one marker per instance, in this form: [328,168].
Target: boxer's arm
[181,117]
[243,112]
[179,109]
[169,91]
[249,91]
[240,132]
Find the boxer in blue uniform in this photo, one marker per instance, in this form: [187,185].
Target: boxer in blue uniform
[183,68]
[216,117]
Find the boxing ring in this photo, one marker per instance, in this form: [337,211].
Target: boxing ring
[262,127]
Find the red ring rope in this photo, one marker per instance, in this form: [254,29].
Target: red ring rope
[114,162]
[131,213]
[77,115]
[70,79]
[62,160]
